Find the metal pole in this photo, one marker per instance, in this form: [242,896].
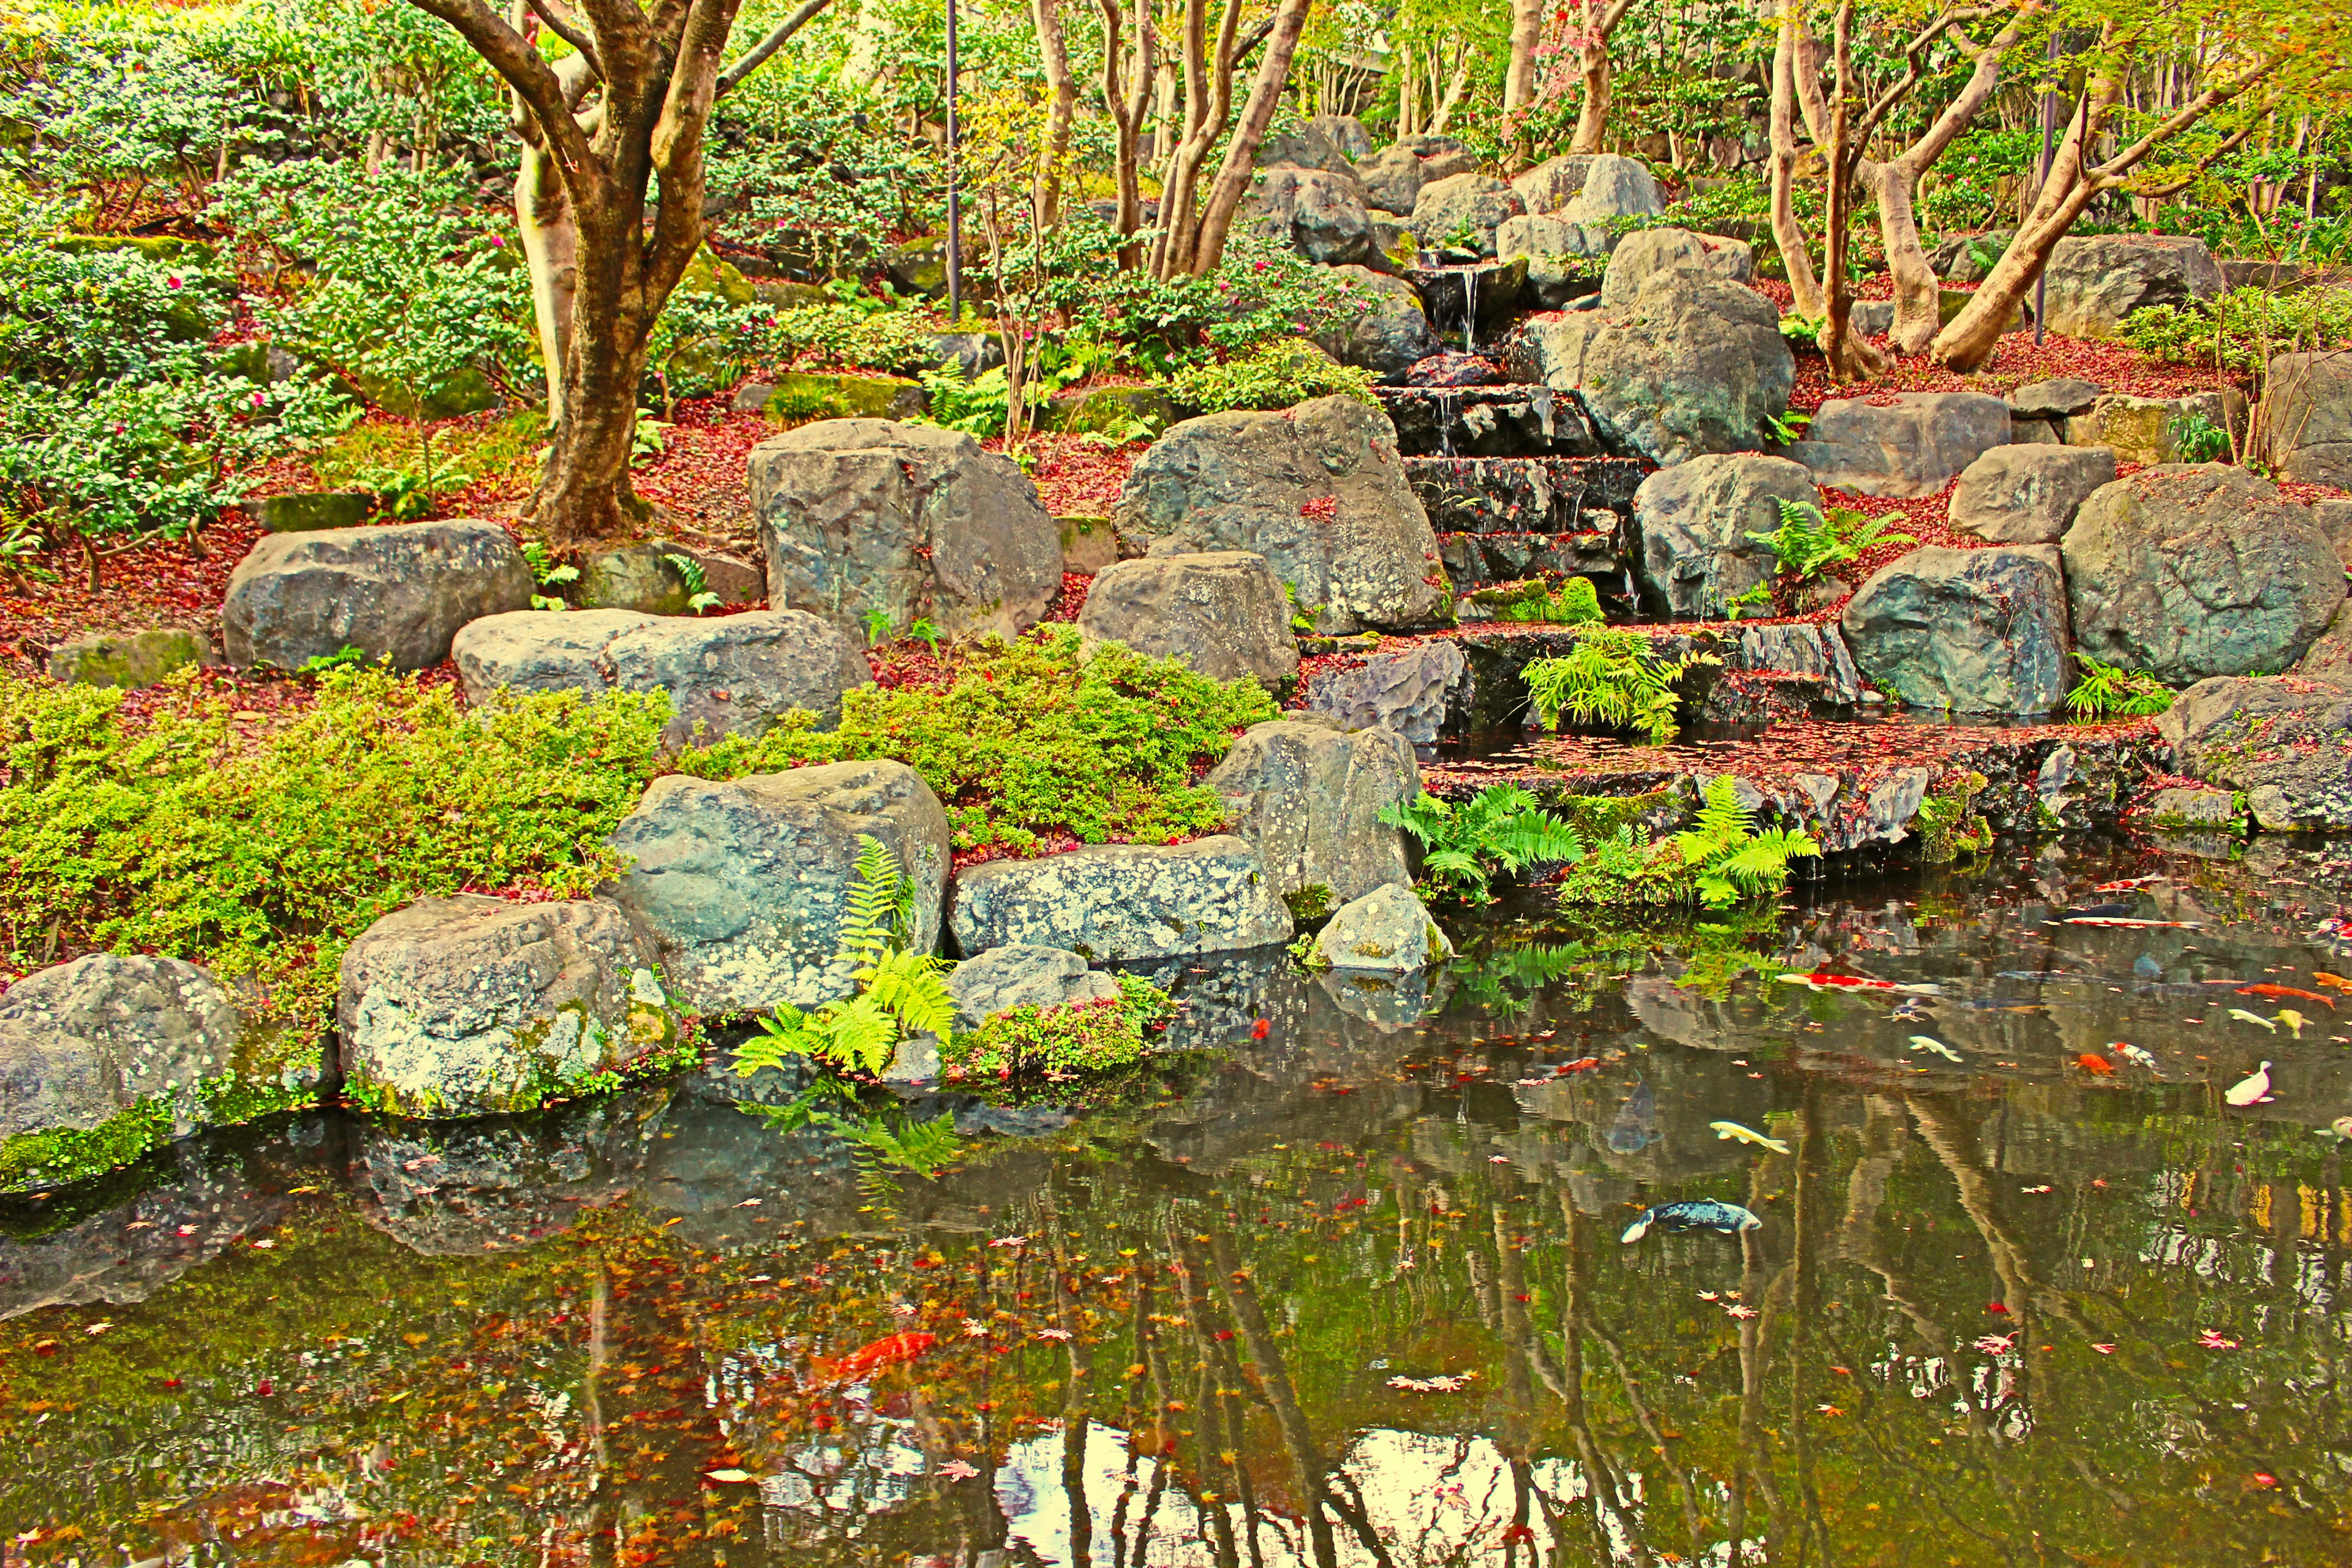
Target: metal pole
[955,209]
[2049,129]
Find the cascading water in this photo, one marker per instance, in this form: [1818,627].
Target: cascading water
[1470,309]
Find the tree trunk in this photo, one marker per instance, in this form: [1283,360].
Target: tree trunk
[1788,234]
[1241,153]
[1061,105]
[1519,76]
[1919,293]
[584,492]
[551,249]
[1128,101]
[1592,115]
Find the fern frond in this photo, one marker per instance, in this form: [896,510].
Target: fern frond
[783,1036]
[855,1033]
[909,987]
[870,921]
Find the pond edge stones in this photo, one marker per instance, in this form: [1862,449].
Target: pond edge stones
[1115,902]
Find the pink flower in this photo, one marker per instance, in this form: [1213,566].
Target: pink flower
[498,241]
[258,400]
[173,281]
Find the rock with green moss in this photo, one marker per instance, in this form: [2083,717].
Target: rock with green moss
[1387,930]
[477,1006]
[799,397]
[1020,975]
[307,511]
[105,1057]
[1308,794]
[128,660]
[649,577]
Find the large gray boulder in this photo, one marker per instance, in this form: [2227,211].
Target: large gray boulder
[401,591]
[857,515]
[1021,975]
[1563,258]
[1383,327]
[2028,494]
[1344,131]
[741,886]
[1118,902]
[2151,430]
[477,1006]
[1320,215]
[1388,931]
[2190,571]
[1222,612]
[1589,188]
[1911,444]
[2285,741]
[2308,405]
[1308,796]
[1554,183]
[1305,144]
[1687,366]
[1463,211]
[1414,691]
[1317,489]
[81,1043]
[1391,179]
[1647,253]
[1695,522]
[2094,281]
[734,675]
[2329,656]
[1973,631]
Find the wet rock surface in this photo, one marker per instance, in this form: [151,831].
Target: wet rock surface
[1221,612]
[1971,631]
[1121,902]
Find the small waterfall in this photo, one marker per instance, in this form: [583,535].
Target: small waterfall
[1446,416]
[1470,309]
[1541,401]
[1629,597]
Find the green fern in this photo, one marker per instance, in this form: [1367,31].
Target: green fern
[921,1147]
[2106,690]
[1720,860]
[1502,830]
[898,993]
[1810,540]
[1615,679]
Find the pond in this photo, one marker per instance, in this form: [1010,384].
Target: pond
[1347,1289]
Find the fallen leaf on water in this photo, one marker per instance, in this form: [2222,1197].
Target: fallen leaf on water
[1053,1333]
[2105,1350]
[958,1470]
[2212,1340]
[729,1476]
[99,1328]
[1740,1310]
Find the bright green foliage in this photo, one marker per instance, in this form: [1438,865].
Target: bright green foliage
[1503,831]
[898,993]
[2106,691]
[2198,439]
[1758,599]
[1035,737]
[266,856]
[1613,679]
[699,596]
[1575,602]
[1810,540]
[700,343]
[1803,331]
[844,337]
[977,406]
[1079,1037]
[1280,374]
[1720,860]
[2243,328]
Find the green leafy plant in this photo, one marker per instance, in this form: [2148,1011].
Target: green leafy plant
[2241,329]
[344,658]
[1788,428]
[699,596]
[1719,861]
[1758,599]
[1273,375]
[21,548]
[1078,1037]
[1809,540]
[1804,331]
[2108,692]
[897,993]
[2198,439]
[880,623]
[1613,678]
[546,572]
[648,438]
[1040,736]
[977,406]
[925,631]
[1575,602]
[1500,832]
[1302,620]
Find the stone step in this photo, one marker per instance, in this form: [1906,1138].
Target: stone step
[1515,421]
[1525,495]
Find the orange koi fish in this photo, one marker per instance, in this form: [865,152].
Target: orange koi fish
[2266,989]
[858,1365]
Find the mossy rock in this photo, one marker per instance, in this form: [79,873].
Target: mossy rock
[798,398]
[780,294]
[919,267]
[128,660]
[307,511]
[467,391]
[1089,544]
[1109,409]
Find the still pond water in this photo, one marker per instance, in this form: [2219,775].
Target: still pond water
[1352,1292]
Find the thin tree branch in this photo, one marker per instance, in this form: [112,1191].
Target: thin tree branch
[2204,103]
[528,72]
[552,14]
[732,77]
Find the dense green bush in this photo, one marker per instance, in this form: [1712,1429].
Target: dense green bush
[1720,860]
[2243,328]
[1079,1037]
[1273,375]
[262,854]
[1033,737]
[1613,678]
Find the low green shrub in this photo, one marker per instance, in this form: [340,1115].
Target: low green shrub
[261,857]
[1280,374]
[1613,678]
[1810,540]
[1033,737]
[844,336]
[2243,328]
[2108,691]
[1574,601]
[1078,1037]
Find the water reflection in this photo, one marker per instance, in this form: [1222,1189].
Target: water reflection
[1350,1294]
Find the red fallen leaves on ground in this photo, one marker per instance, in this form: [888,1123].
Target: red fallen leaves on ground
[1071,602]
[1076,477]
[2017,361]
[162,583]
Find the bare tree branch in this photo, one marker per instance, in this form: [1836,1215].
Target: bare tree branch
[732,78]
[525,70]
[552,14]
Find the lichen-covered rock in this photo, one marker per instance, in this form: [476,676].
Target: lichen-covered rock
[1308,795]
[103,1057]
[1391,179]
[477,1006]
[1649,253]
[2193,808]
[1564,259]
[648,577]
[1912,444]
[2093,282]
[2151,430]
[1317,489]
[742,885]
[1415,690]
[1319,215]
[1116,902]
[2056,399]
[402,591]
[2308,403]
[1021,975]
[2193,570]
[727,676]
[1590,187]
[1382,327]
[1344,131]
[1696,523]
[1463,211]
[1387,930]
[864,515]
[2329,656]
[2286,743]
[1306,144]
[1222,612]
[128,660]
[1686,365]
[2028,494]
[308,512]
[1974,631]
